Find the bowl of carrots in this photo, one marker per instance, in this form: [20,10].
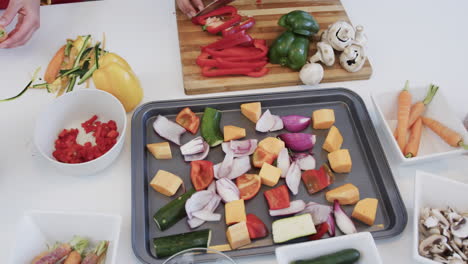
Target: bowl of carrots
[419,124]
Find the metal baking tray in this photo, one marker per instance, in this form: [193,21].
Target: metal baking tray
[370,172]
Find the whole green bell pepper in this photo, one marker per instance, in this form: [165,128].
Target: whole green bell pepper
[299,22]
[289,50]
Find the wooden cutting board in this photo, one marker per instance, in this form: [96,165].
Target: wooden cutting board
[266,15]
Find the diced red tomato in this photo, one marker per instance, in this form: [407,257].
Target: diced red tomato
[256,227]
[278,198]
[321,231]
[260,156]
[249,185]
[188,120]
[317,180]
[201,174]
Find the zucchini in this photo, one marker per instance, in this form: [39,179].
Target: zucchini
[210,129]
[172,212]
[346,256]
[170,245]
[293,227]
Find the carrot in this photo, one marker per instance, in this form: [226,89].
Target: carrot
[73,258]
[404,104]
[450,136]
[411,149]
[55,65]
[418,108]
[3,34]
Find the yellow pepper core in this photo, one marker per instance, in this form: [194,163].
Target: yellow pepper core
[115,76]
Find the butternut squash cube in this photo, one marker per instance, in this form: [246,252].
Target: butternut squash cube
[269,174]
[160,150]
[272,145]
[365,210]
[345,194]
[233,133]
[238,235]
[235,212]
[340,161]
[252,111]
[166,183]
[333,140]
[323,118]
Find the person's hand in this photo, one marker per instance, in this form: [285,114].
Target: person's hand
[190,7]
[28,22]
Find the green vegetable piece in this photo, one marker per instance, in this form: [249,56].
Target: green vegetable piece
[299,22]
[290,50]
[346,256]
[170,245]
[210,129]
[172,212]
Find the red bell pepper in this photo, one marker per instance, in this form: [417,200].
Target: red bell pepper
[242,26]
[256,227]
[214,26]
[234,52]
[259,73]
[222,11]
[317,180]
[230,41]
[225,64]
[201,174]
[188,120]
[277,198]
[321,231]
[204,59]
[259,44]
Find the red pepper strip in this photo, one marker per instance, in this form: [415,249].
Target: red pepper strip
[234,52]
[259,55]
[208,71]
[224,24]
[242,26]
[321,230]
[259,73]
[205,60]
[230,41]
[222,11]
[229,64]
[243,59]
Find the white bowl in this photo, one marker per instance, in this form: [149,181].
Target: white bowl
[69,111]
[38,229]
[363,242]
[432,146]
[439,192]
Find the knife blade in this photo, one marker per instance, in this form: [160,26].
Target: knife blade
[213,6]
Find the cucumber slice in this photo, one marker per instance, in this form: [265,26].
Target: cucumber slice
[172,212]
[346,256]
[293,227]
[210,129]
[170,245]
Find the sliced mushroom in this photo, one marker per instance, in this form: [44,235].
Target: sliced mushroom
[453,260]
[324,36]
[432,244]
[360,37]
[353,57]
[324,54]
[431,222]
[458,251]
[340,35]
[460,229]
[437,214]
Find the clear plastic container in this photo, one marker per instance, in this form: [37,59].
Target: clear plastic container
[188,256]
[466,122]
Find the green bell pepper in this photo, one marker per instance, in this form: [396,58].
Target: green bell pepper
[210,129]
[289,50]
[299,22]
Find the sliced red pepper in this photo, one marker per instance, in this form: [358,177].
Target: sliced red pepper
[222,63]
[201,174]
[236,59]
[217,27]
[256,227]
[204,59]
[230,41]
[260,45]
[214,72]
[321,231]
[234,52]
[277,198]
[259,73]
[222,11]
[245,25]
[188,120]
[317,180]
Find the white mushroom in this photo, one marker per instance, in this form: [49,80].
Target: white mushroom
[360,37]
[431,222]
[460,228]
[311,73]
[324,36]
[437,214]
[324,54]
[434,244]
[340,35]
[353,57]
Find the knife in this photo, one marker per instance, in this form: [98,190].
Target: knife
[213,6]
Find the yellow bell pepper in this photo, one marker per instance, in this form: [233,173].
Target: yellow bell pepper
[115,76]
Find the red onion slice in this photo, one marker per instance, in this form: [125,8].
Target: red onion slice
[295,123]
[197,202]
[227,190]
[294,207]
[344,223]
[199,217]
[240,148]
[283,162]
[265,123]
[195,222]
[319,212]
[216,170]
[331,225]
[278,125]
[199,156]
[168,129]
[194,146]
[206,215]
[240,166]
[226,165]
[212,187]
[298,141]
[293,178]
[305,161]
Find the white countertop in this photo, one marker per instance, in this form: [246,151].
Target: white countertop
[423,41]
